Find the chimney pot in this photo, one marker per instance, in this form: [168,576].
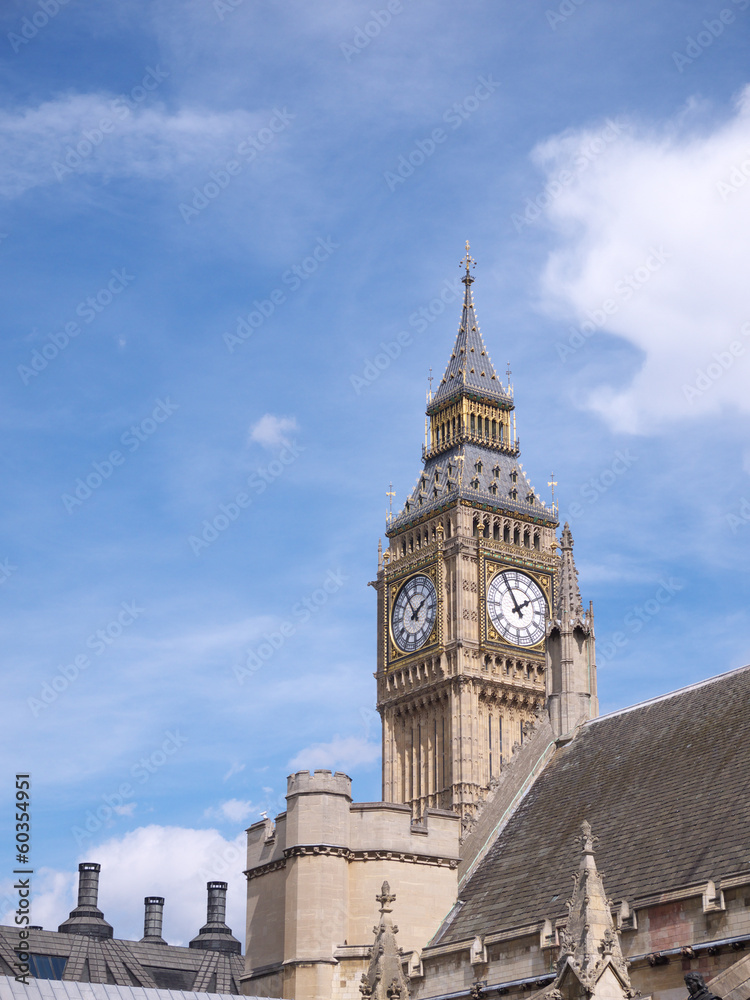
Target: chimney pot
[153,920]
[215,935]
[87,918]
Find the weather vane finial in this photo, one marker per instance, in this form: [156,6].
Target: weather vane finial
[390,493]
[468,261]
[553,483]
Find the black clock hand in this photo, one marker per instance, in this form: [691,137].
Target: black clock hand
[523,605]
[515,602]
[415,613]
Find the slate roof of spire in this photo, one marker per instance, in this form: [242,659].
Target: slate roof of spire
[470,366]
[452,474]
[663,784]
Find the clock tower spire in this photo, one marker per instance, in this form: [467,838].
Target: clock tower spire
[465,592]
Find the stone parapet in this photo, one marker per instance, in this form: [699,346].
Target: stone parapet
[304,783]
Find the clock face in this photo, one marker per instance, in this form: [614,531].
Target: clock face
[414,612]
[517,608]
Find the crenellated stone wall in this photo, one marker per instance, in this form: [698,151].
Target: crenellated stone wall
[313,877]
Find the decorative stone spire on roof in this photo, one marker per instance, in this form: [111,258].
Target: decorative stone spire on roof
[569,602]
[590,962]
[470,364]
[384,979]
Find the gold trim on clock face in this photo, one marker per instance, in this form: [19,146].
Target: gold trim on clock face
[414,613]
[517,608]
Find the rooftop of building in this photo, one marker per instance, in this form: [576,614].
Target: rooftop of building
[664,786]
[84,950]
[47,989]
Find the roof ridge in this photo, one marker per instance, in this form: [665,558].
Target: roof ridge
[669,694]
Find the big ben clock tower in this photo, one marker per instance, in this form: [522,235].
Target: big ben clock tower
[466,594]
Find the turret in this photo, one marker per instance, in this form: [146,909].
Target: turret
[571,650]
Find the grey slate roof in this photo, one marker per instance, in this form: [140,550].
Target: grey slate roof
[665,787]
[490,490]
[51,989]
[470,365]
[129,962]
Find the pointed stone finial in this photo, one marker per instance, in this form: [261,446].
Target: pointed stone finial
[385,898]
[586,839]
[570,602]
[384,979]
[590,944]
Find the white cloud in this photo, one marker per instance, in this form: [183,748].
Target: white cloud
[341,754]
[61,139]
[126,810]
[173,862]
[656,227]
[271,431]
[234,810]
[236,768]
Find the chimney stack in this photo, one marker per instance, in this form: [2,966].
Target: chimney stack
[215,935]
[87,918]
[153,920]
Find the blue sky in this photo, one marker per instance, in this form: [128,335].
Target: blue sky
[214,215]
